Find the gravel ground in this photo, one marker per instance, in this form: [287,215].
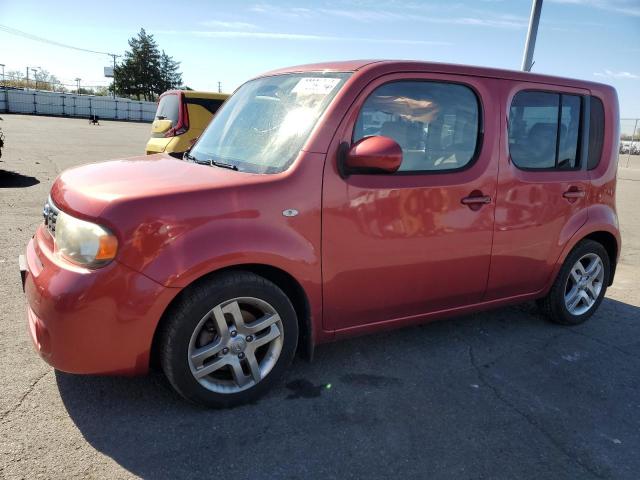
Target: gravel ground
[502,394]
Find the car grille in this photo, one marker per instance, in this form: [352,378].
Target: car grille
[50,213]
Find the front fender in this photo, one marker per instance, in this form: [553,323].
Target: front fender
[232,243]
[221,244]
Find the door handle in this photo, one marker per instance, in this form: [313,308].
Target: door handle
[476,200]
[573,194]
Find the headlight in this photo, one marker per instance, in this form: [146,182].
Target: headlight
[84,243]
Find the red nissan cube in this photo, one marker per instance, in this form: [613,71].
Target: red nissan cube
[325,201]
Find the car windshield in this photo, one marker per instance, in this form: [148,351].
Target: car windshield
[263,126]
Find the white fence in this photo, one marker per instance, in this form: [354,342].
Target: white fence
[38,102]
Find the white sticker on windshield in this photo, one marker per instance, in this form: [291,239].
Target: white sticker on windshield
[315,85]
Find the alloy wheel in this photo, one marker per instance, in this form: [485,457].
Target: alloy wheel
[584,284]
[235,345]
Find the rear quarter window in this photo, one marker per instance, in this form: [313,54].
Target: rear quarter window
[596,132]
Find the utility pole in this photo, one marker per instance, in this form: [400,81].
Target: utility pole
[114,56]
[2,65]
[35,76]
[78,83]
[34,70]
[534,20]
[219,87]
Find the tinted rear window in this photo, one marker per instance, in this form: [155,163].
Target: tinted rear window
[211,104]
[168,108]
[544,130]
[596,132]
[533,129]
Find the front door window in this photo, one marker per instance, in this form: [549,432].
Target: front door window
[436,124]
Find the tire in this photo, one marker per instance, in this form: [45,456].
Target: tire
[566,289]
[216,368]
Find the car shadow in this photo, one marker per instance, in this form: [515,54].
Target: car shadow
[501,393]
[16,180]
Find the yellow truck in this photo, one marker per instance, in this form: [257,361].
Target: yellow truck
[181,117]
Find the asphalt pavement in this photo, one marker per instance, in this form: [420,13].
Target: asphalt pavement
[499,394]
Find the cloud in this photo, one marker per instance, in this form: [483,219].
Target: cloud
[404,13]
[612,74]
[625,7]
[229,25]
[503,21]
[274,10]
[304,37]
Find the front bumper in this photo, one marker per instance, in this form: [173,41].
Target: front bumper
[90,321]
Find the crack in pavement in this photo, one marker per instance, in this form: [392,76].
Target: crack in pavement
[529,419]
[30,388]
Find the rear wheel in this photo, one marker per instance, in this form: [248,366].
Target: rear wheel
[226,341]
[580,285]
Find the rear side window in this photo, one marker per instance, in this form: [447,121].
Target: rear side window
[168,108]
[544,130]
[436,124]
[211,104]
[596,132]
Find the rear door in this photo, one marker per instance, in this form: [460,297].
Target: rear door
[542,185]
[397,246]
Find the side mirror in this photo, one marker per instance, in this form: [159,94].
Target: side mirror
[376,154]
[161,126]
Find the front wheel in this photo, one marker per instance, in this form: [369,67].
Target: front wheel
[580,285]
[227,340]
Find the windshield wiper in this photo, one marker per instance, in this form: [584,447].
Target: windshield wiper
[191,158]
[212,162]
[223,165]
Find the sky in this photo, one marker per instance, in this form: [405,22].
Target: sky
[232,41]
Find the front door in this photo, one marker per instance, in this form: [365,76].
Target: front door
[397,246]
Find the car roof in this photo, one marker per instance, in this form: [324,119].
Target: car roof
[199,94]
[389,66]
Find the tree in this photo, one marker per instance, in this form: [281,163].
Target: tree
[170,76]
[103,91]
[145,71]
[15,75]
[46,81]
[41,78]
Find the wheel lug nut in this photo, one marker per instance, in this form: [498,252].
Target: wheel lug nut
[249,338]
[225,350]
[233,333]
[241,355]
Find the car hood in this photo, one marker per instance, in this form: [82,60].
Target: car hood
[149,202]
[87,191]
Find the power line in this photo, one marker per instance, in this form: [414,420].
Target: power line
[20,33]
